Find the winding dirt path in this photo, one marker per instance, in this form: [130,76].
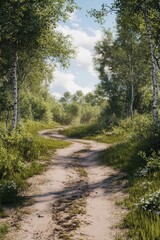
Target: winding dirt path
[74,199]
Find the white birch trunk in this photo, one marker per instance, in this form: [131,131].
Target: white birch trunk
[18,110]
[131,88]
[154,75]
[132,100]
[15,92]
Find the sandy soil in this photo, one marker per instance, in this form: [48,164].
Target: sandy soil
[74,199]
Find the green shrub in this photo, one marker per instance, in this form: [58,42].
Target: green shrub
[33,127]
[8,192]
[152,163]
[139,158]
[28,147]
[151,202]
[137,124]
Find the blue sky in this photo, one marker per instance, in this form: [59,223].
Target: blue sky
[85,32]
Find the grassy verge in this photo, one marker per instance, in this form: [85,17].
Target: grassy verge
[92,132]
[139,159]
[81,131]
[33,127]
[143,203]
[137,153]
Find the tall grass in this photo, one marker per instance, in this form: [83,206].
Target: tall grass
[23,153]
[81,131]
[142,220]
[135,152]
[33,126]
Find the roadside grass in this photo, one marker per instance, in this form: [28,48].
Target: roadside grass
[136,151]
[81,131]
[92,132]
[143,219]
[142,223]
[33,126]
[109,137]
[3,230]
[123,156]
[126,129]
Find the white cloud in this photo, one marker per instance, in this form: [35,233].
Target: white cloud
[66,82]
[84,56]
[80,37]
[92,71]
[75,25]
[73,17]
[84,42]
[57,95]
[74,20]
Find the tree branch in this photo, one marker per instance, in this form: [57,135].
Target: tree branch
[157,61]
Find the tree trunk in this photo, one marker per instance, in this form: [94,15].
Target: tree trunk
[7,119]
[15,92]
[132,100]
[19,110]
[154,75]
[131,88]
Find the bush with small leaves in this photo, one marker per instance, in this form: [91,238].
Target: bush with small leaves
[8,192]
[151,202]
[152,163]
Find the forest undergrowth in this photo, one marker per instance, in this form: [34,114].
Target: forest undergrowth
[135,150]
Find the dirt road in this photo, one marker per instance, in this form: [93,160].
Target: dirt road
[74,199]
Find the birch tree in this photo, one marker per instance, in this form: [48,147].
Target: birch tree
[153,62]
[143,17]
[121,64]
[23,27]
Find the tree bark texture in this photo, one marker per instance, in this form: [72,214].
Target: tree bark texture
[132,100]
[131,88]
[154,74]
[15,92]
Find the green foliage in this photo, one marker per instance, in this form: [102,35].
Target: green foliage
[142,226]
[89,114]
[143,203]
[8,192]
[124,156]
[138,157]
[137,124]
[19,154]
[152,163]
[151,203]
[138,134]
[75,109]
[30,170]
[123,131]
[27,43]
[3,230]
[33,127]
[81,131]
